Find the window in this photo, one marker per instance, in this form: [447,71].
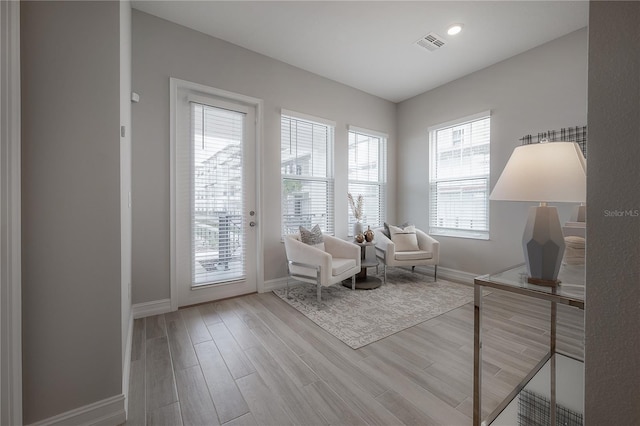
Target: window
[459,177]
[367,175]
[217,239]
[306,170]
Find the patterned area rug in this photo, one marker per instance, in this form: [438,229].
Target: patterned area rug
[363,316]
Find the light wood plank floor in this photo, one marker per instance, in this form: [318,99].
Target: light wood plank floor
[254,360]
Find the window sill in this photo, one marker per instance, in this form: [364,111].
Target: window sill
[461,234]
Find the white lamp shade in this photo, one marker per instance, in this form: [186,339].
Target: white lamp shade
[544,172]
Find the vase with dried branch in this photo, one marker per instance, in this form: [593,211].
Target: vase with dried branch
[356,208]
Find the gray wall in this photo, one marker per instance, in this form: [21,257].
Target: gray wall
[161,50]
[70,205]
[612,373]
[125,172]
[542,89]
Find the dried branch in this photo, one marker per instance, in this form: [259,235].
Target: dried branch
[356,206]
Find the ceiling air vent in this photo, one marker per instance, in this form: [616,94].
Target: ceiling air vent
[431,42]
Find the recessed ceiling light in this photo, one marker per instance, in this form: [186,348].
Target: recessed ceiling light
[454,29]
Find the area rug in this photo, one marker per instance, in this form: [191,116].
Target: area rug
[364,316]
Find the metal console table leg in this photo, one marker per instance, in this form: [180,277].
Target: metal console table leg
[477,355]
[552,351]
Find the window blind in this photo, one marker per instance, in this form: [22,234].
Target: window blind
[367,176]
[307,180]
[218,243]
[459,178]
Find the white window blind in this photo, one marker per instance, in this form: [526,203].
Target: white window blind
[367,176]
[307,175]
[217,195]
[459,178]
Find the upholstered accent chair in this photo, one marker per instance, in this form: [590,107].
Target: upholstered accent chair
[323,264]
[412,248]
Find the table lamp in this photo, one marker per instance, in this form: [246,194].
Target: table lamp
[543,172]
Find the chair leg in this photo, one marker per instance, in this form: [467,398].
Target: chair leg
[319,293]
[435,273]
[353,282]
[385,273]
[286,292]
[413,268]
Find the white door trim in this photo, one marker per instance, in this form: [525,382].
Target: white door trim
[10,211]
[174,85]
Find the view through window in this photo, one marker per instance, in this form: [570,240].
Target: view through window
[217,194]
[459,177]
[306,170]
[367,175]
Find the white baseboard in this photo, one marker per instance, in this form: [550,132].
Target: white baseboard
[147,309]
[108,412]
[274,284]
[455,275]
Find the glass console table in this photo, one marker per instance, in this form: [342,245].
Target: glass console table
[570,292]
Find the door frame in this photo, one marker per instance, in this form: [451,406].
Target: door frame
[10,215]
[175,85]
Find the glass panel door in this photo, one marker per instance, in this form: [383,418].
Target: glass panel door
[215,197]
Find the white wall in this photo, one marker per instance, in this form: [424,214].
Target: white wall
[612,368]
[542,89]
[161,50]
[70,206]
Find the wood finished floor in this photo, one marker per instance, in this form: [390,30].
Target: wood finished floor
[254,360]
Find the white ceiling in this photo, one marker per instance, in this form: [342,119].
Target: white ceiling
[370,45]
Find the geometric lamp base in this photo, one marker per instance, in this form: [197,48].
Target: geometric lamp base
[543,245]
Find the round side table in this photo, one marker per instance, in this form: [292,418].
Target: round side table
[363,281]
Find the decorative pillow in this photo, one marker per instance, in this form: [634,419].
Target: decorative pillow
[312,237]
[405,238]
[386,228]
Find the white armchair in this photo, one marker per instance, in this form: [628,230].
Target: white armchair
[428,253]
[338,261]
